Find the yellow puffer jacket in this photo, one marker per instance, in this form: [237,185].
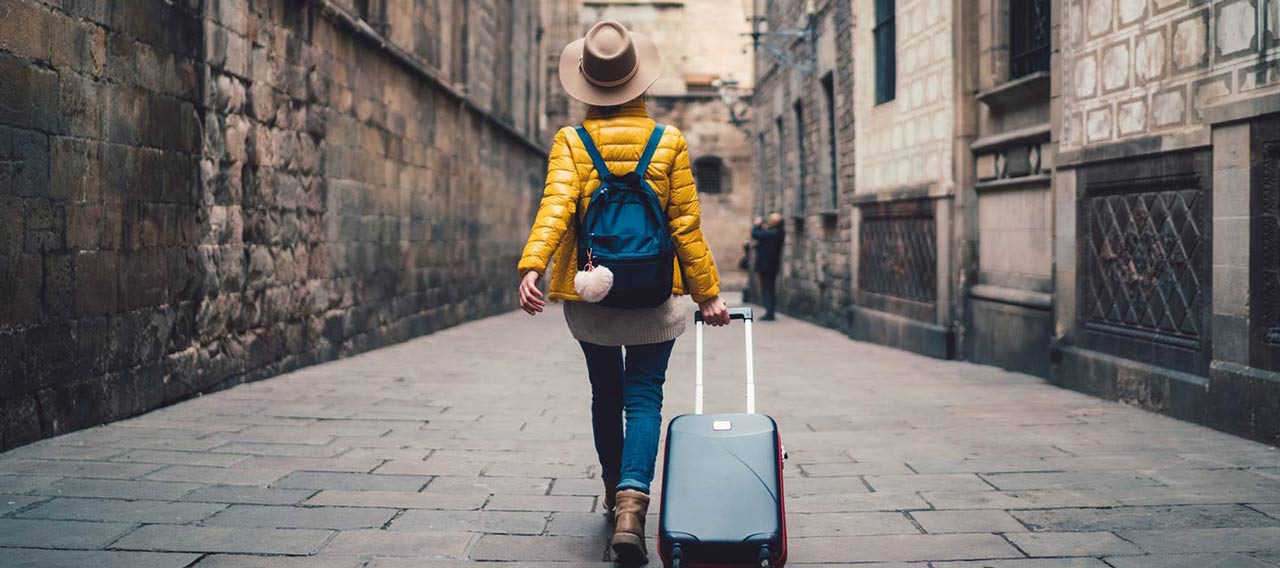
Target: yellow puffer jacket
[620,136]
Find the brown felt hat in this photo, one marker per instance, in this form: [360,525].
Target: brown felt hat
[609,66]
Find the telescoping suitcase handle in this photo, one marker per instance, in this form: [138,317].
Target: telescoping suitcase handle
[743,314]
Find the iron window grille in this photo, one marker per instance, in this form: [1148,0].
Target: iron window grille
[898,251]
[1029,39]
[708,172]
[885,34]
[1144,282]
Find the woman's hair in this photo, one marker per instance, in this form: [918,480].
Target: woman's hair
[614,108]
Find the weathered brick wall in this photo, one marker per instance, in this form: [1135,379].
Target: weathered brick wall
[194,194]
[815,282]
[100,214]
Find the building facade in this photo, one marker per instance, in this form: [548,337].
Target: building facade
[1078,189]
[1166,207]
[804,135]
[196,194]
[701,42]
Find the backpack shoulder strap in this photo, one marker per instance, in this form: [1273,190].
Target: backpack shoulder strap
[649,149]
[601,167]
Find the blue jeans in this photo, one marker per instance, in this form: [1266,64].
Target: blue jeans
[633,386]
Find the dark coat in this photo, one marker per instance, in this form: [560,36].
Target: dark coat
[768,248]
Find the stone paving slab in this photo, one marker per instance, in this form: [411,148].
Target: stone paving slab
[110,510]
[1189,561]
[60,534]
[118,489]
[338,518]
[40,558]
[177,538]
[489,522]
[1145,518]
[1058,544]
[903,548]
[246,561]
[11,503]
[1032,563]
[417,544]
[438,454]
[979,521]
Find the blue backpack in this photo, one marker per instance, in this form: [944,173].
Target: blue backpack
[626,230]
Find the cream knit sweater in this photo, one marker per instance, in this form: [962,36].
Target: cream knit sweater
[603,325]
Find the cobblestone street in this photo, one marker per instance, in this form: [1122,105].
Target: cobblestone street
[473,445]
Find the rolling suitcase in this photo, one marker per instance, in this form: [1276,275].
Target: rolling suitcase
[722,497]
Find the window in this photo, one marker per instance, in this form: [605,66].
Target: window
[781,166]
[711,175]
[373,12]
[802,159]
[886,41]
[829,96]
[759,205]
[1028,37]
[504,53]
[460,44]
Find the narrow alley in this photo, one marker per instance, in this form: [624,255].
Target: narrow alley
[447,451]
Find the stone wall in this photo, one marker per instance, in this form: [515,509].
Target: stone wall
[812,190]
[1167,127]
[910,223]
[200,193]
[726,216]
[1008,309]
[907,141]
[1135,68]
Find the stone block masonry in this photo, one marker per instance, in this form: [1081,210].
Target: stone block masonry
[195,194]
[805,139]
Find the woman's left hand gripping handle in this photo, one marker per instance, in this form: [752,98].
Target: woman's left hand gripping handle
[530,296]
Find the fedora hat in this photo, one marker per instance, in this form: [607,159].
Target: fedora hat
[609,66]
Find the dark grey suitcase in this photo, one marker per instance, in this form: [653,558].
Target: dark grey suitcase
[722,495]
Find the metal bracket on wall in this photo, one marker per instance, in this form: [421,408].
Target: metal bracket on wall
[779,49]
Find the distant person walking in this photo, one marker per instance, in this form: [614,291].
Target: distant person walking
[769,235]
[620,216]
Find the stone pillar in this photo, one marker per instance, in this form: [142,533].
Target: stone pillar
[1231,158]
[1244,388]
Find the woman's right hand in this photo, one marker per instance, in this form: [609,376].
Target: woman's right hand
[714,311]
[530,296]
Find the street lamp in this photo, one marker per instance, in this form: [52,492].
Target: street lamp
[732,94]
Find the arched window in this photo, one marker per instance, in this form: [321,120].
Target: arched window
[711,175]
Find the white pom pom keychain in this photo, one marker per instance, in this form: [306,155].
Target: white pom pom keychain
[593,282]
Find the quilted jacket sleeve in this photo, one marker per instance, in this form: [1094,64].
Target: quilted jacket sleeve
[701,279]
[559,204]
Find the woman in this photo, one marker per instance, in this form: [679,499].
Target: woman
[626,349]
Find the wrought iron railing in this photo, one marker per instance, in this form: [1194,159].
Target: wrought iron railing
[1145,260]
[898,251]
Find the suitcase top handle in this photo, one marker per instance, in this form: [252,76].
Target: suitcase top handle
[744,314]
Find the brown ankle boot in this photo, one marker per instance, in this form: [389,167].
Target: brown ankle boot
[610,498]
[628,536]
